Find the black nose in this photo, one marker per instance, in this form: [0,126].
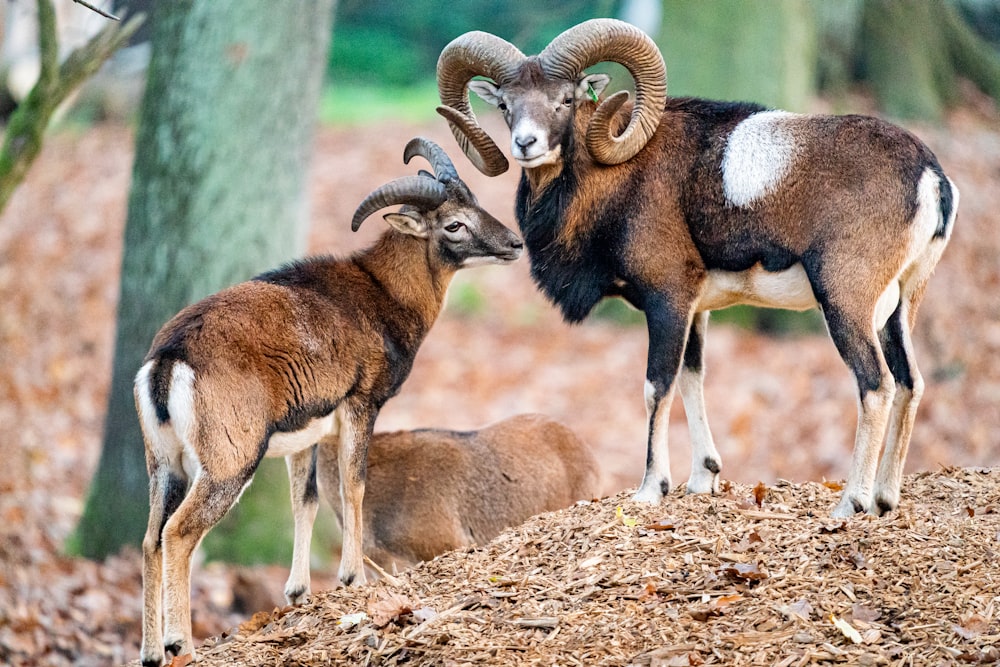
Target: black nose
[516,244]
[522,144]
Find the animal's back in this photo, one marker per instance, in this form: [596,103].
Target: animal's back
[430,491]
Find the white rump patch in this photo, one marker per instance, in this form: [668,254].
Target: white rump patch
[147,411]
[928,215]
[180,402]
[758,155]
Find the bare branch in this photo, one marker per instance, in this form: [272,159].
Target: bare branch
[98,10]
[22,140]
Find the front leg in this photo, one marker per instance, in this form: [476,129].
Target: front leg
[705,461]
[305,503]
[668,328]
[356,424]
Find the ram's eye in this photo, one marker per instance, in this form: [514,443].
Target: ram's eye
[453,227]
[568,101]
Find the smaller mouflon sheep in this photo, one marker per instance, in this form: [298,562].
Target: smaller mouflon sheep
[269,366]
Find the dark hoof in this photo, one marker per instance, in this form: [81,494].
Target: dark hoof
[883,507]
[712,465]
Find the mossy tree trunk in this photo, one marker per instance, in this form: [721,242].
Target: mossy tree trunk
[218,195]
[737,50]
[912,53]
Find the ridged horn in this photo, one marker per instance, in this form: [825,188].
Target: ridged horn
[609,40]
[444,169]
[473,54]
[424,193]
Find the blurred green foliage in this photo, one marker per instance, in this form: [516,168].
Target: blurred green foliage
[385,42]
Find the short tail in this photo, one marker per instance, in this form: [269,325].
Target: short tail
[947,203]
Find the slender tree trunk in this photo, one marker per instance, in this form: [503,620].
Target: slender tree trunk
[218,195]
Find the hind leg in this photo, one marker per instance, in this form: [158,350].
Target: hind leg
[166,491]
[305,503]
[207,501]
[858,345]
[898,349]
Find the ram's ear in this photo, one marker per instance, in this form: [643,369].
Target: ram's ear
[408,222]
[488,91]
[591,86]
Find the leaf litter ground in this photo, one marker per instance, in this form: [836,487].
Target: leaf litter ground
[697,581]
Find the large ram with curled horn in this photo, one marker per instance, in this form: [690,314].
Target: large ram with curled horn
[684,205]
[270,366]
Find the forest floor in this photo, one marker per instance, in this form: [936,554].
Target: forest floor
[783,412]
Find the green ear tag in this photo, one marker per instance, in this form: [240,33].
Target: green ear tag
[591,94]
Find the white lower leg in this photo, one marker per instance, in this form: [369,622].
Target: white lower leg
[352,492]
[304,508]
[656,482]
[705,460]
[889,477]
[873,416]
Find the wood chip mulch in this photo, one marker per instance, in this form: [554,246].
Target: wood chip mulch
[755,576]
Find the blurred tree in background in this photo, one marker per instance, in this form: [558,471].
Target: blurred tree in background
[909,53]
[735,50]
[218,195]
[380,42]
[914,52]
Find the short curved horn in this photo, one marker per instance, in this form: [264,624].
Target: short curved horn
[475,53]
[609,40]
[424,193]
[444,169]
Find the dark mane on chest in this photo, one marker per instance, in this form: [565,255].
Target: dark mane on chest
[573,273]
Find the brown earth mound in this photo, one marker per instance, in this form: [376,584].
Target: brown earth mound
[757,576]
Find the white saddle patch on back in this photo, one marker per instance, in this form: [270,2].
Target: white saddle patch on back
[758,155]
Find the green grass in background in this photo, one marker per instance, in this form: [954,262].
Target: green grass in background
[360,104]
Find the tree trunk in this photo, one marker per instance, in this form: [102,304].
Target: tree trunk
[737,50]
[912,52]
[218,195]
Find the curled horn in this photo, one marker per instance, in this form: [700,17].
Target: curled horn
[419,191]
[609,40]
[444,169]
[475,53]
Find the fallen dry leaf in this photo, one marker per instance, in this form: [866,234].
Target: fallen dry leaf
[972,627]
[744,571]
[182,660]
[663,524]
[629,521]
[749,541]
[846,629]
[389,607]
[860,612]
[800,609]
[759,493]
[256,622]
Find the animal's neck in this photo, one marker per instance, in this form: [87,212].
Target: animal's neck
[541,178]
[402,266]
